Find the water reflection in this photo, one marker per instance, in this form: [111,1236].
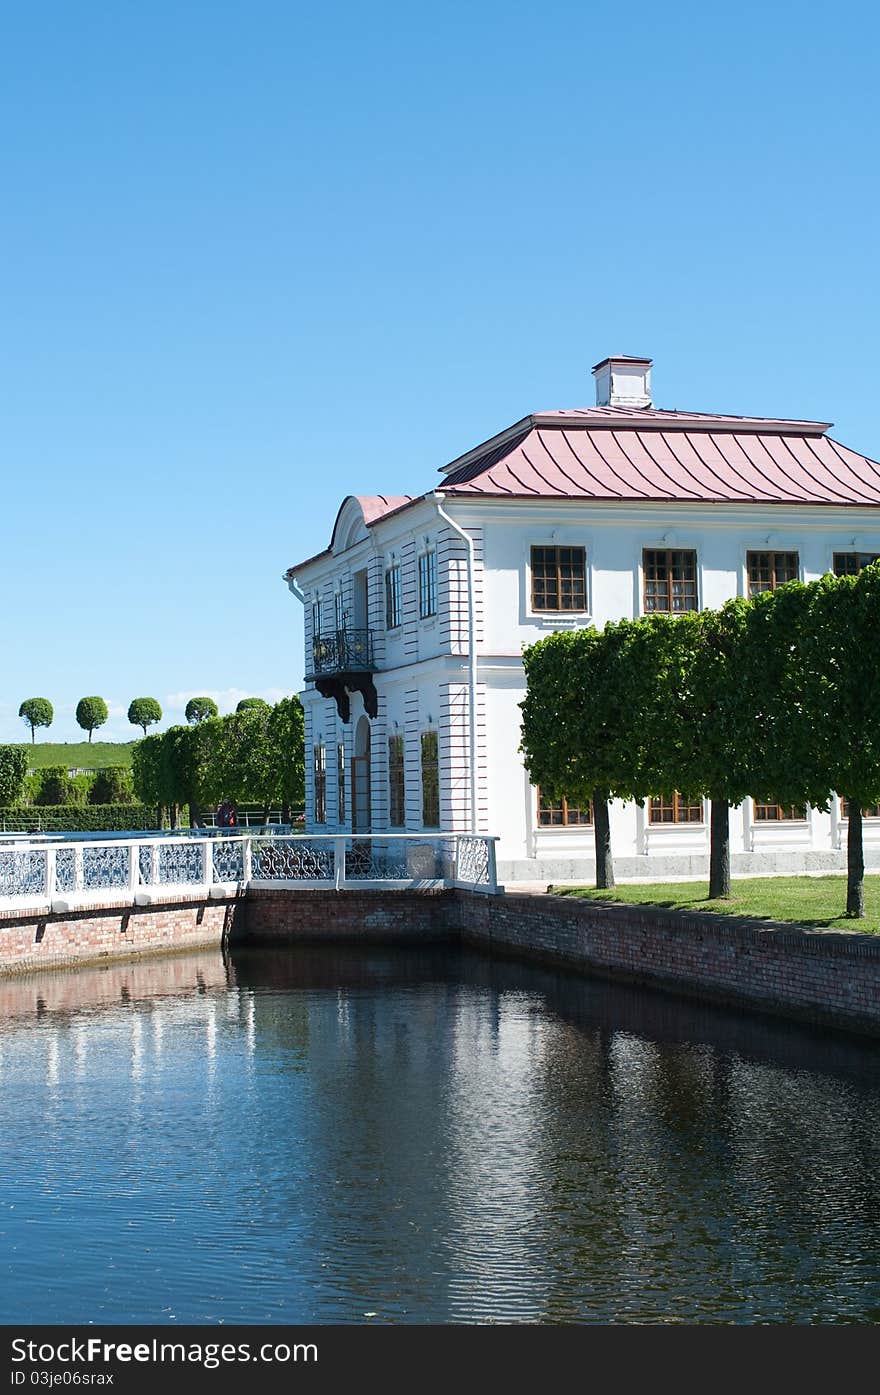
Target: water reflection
[318,1135]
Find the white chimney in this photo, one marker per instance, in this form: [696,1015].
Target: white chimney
[623,382]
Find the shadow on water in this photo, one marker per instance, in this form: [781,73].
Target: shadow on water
[589,1004]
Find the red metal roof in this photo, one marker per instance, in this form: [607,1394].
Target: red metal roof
[638,453]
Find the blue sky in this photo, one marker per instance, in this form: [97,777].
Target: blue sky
[255,257]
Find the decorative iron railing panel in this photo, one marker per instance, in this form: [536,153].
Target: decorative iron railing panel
[474,861]
[228,861]
[22,872]
[105,868]
[346,651]
[277,859]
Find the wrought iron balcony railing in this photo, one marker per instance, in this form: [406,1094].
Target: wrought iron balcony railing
[346,651]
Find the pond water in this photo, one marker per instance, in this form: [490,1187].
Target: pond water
[375,1136]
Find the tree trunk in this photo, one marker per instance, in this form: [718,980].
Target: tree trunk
[285,813]
[602,832]
[719,850]
[266,812]
[175,817]
[855,862]
[33,735]
[90,733]
[160,816]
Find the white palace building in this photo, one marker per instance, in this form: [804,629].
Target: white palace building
[417,612]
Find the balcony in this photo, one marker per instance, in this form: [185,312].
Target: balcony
[342,664]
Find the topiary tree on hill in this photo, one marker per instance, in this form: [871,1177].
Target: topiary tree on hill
[91,713]
[246,704]
[198,709]
[144,712]
[36,712]
[13,773]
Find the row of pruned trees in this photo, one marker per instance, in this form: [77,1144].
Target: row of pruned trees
[777,697]
[254,756]
[143,712]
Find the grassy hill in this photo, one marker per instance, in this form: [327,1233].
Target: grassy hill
[81,755]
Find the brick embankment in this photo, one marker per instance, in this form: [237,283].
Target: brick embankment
[109,930]
[277,917]
[826,977]
[821,976]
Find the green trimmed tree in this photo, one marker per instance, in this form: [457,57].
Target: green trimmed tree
[582,738]
[13,773]
[144,712]
[199,709]
[36,712]
[91,713]
[287,743]
[255,704]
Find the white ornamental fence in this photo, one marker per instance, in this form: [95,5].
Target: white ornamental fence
[65,876]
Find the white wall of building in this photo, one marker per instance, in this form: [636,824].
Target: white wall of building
[422,668]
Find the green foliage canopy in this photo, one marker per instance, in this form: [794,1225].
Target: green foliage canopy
[143,712]
[91,712]
[13,773]
[199,708]
[36,712]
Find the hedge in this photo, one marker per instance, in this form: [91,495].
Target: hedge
[90,818]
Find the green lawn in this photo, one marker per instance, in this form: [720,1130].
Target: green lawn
[83,755]
[814,901]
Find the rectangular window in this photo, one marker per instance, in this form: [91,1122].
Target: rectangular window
[779,813]
[396,782]
[339,611]
[392,597]
[675,810]
[559,578]
[316,619]
[670,582]
[320,784]
[559,813]
[767,570]
[427,585]
[872,812]
[430,780]
[851,563]
[340,777]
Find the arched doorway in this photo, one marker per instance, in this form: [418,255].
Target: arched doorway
[360,778]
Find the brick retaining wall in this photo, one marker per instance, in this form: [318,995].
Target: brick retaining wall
[111,929]
[273,917]
[822,976]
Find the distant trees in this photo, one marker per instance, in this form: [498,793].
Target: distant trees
[143,712]
[36,712]
[778,698]
[245,704]
[91,713]
[198,709]
[13,773]
[254,756]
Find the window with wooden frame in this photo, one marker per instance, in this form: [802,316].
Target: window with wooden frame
[560,813]
[392,597]
[676,809]
[670,580]
[872,812]
[779,813]
[427,584]
[430,780]
[320,784]
[396,782]
[559,578]
[767,570]
[340,779]
[851,563]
